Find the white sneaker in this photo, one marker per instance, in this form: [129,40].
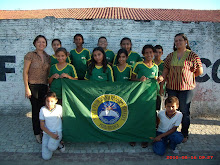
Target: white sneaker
[176,151]
[61,148]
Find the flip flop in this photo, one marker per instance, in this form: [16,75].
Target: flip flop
[132,144]
[185,139]
[144,144]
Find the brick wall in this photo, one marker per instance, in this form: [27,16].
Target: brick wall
[16,38]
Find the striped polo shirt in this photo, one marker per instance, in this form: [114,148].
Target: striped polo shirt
[180,77]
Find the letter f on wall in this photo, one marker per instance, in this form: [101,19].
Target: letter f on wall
[3,70]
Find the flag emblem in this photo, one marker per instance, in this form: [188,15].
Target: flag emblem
[109,112]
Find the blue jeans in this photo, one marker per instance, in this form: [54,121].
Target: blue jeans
[160,147]
[185,98]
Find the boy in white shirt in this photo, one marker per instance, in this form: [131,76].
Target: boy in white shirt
[169,120]
[51,124]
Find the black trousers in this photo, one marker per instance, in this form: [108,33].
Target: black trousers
[37,99]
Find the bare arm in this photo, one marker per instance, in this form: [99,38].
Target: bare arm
[159,137]
[199,71]
[51,134]
[50,80]
[65,75]
[54,76]
[161,80]
[134,78]
[25,78]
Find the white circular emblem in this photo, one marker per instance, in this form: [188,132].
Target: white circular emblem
[109,112]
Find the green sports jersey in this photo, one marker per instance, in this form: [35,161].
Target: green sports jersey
[141,69]
[98,75]
[160,66]
[109,55]
[79,61]
[53,60]
[133,57]
[56,85]
[124,75]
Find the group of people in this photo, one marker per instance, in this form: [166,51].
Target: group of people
[177,72]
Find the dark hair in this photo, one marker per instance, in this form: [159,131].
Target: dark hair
[78,35]
[39,36]
[56,39]
[122,50]
[158,47]
[51,94]
[185,39]
[126,38]
[146,47]
[172,99]
[61,50]
[101,38]
[93,62]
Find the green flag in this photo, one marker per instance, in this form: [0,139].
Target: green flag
[110,112]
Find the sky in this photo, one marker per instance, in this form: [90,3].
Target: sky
[156,4]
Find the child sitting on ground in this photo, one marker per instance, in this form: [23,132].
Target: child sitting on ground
[51,124]
[169,120]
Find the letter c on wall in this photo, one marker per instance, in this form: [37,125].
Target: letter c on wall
[215,71]
[204,78]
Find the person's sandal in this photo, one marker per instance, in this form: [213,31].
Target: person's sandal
[185,139]
[132,144]
[144,144]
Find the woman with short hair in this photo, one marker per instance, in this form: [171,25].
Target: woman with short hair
[35,76]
